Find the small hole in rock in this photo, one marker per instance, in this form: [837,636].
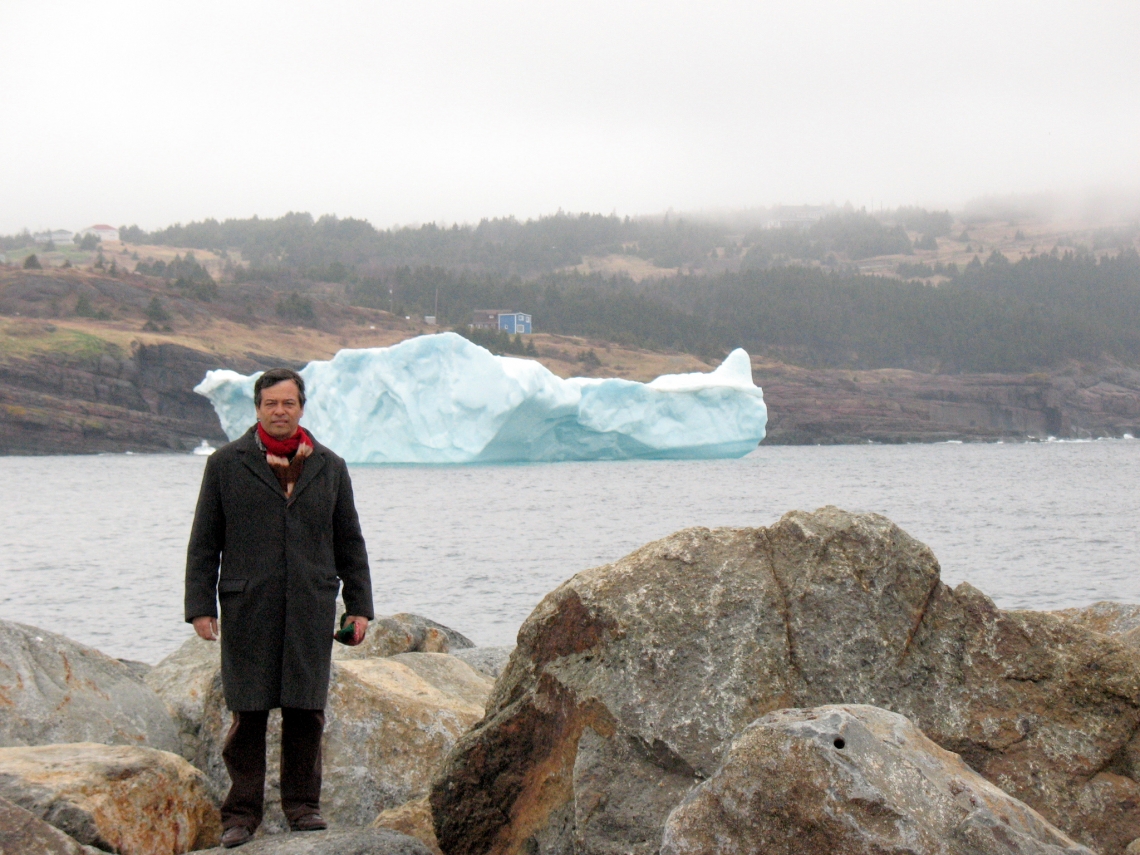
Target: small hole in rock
[839,743]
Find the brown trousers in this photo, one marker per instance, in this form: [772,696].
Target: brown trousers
[244,754]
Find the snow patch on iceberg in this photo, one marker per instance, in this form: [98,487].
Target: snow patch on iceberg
[441,399]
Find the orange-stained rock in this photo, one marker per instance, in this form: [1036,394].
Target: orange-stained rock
[630,680]
[413,819]
[129,800]
[1121,620]
[450,675]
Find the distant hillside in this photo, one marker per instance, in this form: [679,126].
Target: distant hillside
[332,247]
[995,315]
[93,362]
[1001,329]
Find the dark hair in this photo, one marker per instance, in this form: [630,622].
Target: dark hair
[274,376]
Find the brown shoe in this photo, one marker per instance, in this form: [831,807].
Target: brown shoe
[309,822]
[236,835]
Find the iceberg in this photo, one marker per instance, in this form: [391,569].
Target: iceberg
[442,399]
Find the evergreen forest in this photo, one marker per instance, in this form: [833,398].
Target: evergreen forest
[787,295]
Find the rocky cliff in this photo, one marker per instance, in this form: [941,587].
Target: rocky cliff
[808,406]
[109,399]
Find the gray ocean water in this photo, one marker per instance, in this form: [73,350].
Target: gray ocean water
[93,547]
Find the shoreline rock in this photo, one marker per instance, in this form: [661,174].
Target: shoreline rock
[126,799]
[631,679]
[390,723]
[184,680]
[55,690]
[638,691]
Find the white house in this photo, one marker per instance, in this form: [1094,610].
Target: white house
[58,236]
[101,231]
[800,217]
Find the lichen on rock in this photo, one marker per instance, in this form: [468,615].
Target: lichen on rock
[126,799]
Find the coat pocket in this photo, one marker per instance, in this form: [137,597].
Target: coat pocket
[231,586]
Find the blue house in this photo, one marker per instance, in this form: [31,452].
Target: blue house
[515,322]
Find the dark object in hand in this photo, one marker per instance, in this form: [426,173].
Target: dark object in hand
[347,632]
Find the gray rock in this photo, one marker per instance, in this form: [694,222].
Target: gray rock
[851,779]
[183,680]
[139,669]
[630,680]
[360,841]
[24,833]
[490,660]
[55,690]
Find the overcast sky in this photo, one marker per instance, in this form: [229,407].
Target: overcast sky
[158,112]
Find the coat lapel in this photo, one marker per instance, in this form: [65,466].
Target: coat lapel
[254,461]
[313,464]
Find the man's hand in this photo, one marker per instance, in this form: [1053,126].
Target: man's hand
[207,627]
[360,627]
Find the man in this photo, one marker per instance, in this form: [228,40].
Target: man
[276,508]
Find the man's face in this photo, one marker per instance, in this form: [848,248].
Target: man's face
[280,409]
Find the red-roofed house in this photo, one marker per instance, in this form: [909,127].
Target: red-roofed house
[101,231]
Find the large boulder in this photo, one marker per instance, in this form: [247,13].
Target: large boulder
[125,799]
[24,833]
[359,841]
[630,679]
[388,728]
[852,779]
[55,690]
[404,633]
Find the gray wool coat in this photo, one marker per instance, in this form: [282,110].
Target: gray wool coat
[282,562]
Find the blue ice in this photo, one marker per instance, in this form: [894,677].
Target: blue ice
[441,399]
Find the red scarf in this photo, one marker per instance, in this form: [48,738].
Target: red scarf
[283,447]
